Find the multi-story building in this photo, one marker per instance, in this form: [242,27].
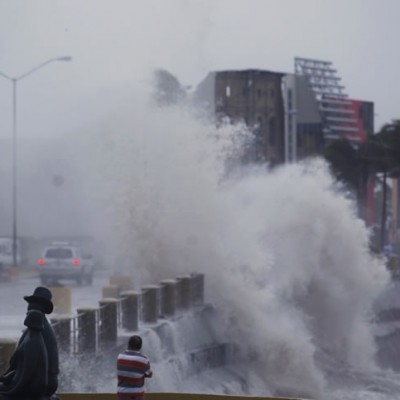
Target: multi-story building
[253,97]
[292,116]
[335,115]
[364,112]
[303,122]
[394,234]
[340,116]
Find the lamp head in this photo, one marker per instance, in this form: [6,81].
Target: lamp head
[65,58]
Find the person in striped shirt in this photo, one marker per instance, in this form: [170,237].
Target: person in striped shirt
[132,367]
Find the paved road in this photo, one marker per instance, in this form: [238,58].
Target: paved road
[13,305]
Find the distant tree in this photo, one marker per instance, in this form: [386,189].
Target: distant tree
[347,167]
[168,90]
[343,160]
[381,155]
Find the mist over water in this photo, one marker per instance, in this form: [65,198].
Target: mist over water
[285,257]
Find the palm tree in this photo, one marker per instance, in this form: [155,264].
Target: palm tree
[379,154]
[347,167]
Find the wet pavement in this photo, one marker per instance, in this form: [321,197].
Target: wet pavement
[13,305]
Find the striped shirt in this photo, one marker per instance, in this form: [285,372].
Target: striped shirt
[132,367]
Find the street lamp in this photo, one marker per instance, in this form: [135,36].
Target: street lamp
[14,81]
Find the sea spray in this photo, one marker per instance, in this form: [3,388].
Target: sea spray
[284,254]
[316,292]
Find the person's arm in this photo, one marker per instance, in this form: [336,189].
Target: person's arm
[148,373]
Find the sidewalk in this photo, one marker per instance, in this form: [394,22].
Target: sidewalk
[7,275]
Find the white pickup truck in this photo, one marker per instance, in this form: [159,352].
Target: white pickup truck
[64,261]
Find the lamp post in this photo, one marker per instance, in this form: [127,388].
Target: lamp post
[14,81]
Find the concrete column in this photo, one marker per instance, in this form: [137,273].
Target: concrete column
[124,282]
[62,330]
[7,348]
[184,292]
[61,299]
[168,297]
[108,322]
[110,292]
[86,330]
[150,304]
[130,310]
[178,292]
[197,289]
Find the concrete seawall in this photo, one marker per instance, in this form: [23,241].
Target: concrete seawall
[166,396]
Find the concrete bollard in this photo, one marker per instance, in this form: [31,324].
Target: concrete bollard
[62,330]
[7,348]
[150,304]
[14,272]
[178,288]
[184,290]
[61,299]
[110,292]
[130,310]
[86,330]
[168,297]
[197,289]
[123,282]
[108,322]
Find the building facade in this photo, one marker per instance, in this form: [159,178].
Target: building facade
[303,122]
[340,116]
[292,115]
[254,98]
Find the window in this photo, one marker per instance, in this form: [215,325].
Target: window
[59,252]
[300,139]
[290,99]
[258,126]
[272,131]
[228,91]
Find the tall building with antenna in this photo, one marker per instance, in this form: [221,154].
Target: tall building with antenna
[341,117]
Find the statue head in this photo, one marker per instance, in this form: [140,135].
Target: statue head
[42,298]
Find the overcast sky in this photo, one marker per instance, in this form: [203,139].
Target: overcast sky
[115,42]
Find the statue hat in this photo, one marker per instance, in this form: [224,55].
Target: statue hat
[41,296]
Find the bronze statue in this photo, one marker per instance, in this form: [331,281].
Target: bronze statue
[27,377]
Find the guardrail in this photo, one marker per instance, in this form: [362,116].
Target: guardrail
[170,396]
[93,329]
